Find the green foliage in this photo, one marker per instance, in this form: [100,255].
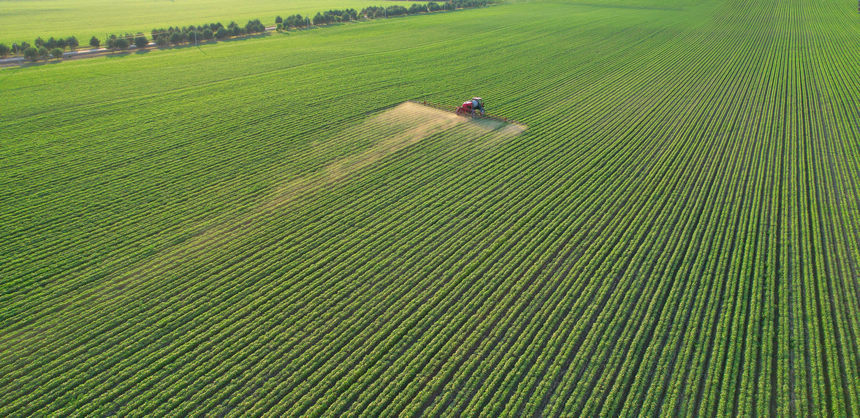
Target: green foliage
[72,43]
[295,21]
[319,19]
[235,29]
[163,40]
[31,53]
[395,11]
[121,43]
[254,26]
[177,38]
[267,230]
[141,41]
[57,53]
[26,19]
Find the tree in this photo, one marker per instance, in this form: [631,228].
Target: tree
[72,43]
[51,43]
[279,20]
[395,11]
[57,53]
[222,33]
[255,26]
[295,21]
[373,12]
[95,42]
[176,38]
[208,34]
[4,50]
[43,52]
[121,44]
[319,19]
[39,42]
[31,53]
[162,40]
[18,49]
[234,28]
[140,41]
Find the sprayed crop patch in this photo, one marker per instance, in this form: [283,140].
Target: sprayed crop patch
[389,132]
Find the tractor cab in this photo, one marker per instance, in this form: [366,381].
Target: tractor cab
[472,107]
[478,105]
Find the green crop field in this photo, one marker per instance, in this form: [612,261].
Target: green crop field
[267,226]
[24,20]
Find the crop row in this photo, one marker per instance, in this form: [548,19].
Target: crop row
[676,232]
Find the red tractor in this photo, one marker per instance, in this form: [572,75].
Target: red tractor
[472,107]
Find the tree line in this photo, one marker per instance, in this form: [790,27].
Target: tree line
[179,35]
[298,21]
[194,34]
[42,49]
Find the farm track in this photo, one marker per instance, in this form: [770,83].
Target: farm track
[676,232]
